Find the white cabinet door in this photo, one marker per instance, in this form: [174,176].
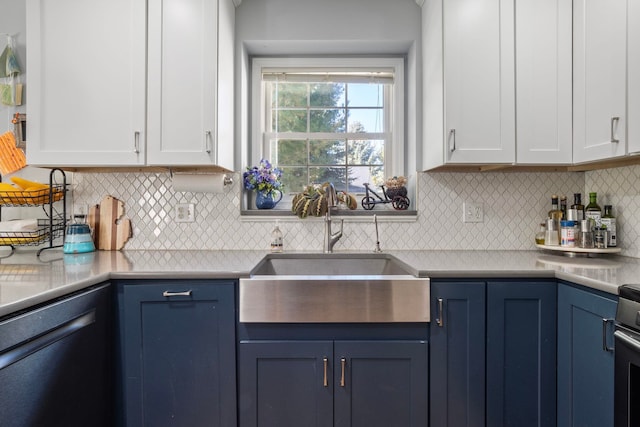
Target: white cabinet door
[543,81]
[86,102]
[479,81]
[183,77]
[633,73]
[468,50]
[599,81]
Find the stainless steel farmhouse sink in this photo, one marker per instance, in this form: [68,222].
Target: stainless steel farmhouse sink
[333,288]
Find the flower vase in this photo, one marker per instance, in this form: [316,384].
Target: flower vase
[268,199]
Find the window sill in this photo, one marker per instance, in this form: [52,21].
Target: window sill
[260,215]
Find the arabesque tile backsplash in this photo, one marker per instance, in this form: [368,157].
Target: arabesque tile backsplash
[514,204]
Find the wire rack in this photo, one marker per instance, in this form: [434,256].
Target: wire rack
[53,201]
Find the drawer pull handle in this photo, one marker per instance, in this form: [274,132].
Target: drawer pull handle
[176,294]
[452,140]
[136,142]
[207,141]
[325,380]
[614,125]
[439,314]
[605,322]
[343,363]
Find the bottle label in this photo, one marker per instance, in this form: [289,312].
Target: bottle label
[610,223]
[595,215]
[567,237]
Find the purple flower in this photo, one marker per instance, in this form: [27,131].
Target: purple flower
[263,178]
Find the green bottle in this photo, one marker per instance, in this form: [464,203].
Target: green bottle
[609,221]
[593,210]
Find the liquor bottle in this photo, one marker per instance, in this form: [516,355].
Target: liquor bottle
[578,206]
[609,221]
[555,213]
[563,206]
[593,210]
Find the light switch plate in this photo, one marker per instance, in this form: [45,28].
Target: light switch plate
[185,212]
[472,212]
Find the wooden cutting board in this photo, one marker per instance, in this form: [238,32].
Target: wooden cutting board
[111,229]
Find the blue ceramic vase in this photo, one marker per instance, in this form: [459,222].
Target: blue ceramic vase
[268,199]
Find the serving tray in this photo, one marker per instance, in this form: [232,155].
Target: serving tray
[579,250]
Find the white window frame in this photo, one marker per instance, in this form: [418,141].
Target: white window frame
[394,151]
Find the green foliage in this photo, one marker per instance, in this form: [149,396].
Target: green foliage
[317,107]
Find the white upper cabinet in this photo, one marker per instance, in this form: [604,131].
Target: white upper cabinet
[633,73]
[543,81]
[86,101]
[99,96]
[497,82]
[468,53]
[185,70]
[599,79]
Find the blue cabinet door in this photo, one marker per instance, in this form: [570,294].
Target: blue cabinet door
[380,384]
[286,383]
[521,354]
[585,359]
[179,353]
[457,354]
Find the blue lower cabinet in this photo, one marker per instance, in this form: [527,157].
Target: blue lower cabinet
[178,348]
[585,357]
[457,350]
[521,354]
[286,383]
[493,353]
[333,383]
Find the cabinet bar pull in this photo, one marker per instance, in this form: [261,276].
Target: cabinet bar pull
[136,142]
[452,138]
[177,294]
[343,363]
[439,316]
[325,380]
[207,141]
[605,322]
[614,124]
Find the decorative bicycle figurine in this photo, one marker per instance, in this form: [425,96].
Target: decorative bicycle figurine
[398,201]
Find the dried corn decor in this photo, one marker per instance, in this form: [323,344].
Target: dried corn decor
[12,158]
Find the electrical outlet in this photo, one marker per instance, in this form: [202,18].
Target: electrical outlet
[472,212]
[185,212]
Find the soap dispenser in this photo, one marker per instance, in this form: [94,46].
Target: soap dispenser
[276,239]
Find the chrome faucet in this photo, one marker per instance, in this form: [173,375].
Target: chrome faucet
[331,238]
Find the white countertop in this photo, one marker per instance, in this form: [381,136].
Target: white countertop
[26,280]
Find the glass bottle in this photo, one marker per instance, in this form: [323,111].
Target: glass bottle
[593,209]
[540,234]
[609,221]
[555,213]
[578,206]
[563,206]
[277,244]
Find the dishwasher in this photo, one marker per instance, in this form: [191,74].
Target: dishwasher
[55,367]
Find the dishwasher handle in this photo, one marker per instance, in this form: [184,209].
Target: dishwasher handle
[30,346]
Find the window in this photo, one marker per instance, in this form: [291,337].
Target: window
[329,119]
